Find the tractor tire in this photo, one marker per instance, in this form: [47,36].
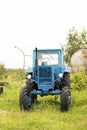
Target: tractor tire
[28,82]
[1,90]
[23,92]
[66,80]
[65,98]
[26,99]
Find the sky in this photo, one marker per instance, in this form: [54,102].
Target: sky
[36,23]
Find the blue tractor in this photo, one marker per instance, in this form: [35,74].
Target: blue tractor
[48,76]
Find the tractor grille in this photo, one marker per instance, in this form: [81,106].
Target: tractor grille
[45,75]
[44,72]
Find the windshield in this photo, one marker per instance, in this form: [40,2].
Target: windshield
[47,58]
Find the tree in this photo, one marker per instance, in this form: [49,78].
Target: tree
[75,41]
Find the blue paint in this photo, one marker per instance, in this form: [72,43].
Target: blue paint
[47,64]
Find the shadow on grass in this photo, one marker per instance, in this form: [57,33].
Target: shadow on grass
[47,104]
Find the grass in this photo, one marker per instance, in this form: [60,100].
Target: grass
[45,114]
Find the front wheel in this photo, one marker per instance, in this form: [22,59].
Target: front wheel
[65,99]
[26,99]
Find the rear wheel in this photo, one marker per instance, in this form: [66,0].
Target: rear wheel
[26,98]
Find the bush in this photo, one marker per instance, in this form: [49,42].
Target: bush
[16,74]
[2,71]
[79,80]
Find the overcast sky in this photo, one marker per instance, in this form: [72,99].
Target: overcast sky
[36,23]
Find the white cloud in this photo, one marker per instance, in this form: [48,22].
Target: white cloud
[36,23]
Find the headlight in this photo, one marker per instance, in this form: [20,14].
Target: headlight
[28,76]
[60,75]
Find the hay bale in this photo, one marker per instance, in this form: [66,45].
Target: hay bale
[79,61]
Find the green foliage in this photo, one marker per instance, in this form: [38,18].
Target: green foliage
[45,114]
[12,74]
[2,71]
[75,41]
[16,74]
[79,81]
